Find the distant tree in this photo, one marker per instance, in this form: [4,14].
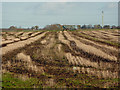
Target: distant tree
[95,26]
[118,27]
[28,28]
[89,26]
[78,26]
[12,28]
[84,27]
[99,26]
[46,27]
[106,26]
[36,27]
[113,27]
[33,28]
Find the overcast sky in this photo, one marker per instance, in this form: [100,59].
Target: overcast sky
[28,14]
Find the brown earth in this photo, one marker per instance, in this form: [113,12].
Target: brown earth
[62,59]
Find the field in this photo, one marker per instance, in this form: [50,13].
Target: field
[60,59]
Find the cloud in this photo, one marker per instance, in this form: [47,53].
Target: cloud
[51,8]
[112,5]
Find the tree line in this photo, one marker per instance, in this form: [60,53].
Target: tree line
[66,27]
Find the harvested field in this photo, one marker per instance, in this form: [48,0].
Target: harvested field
[60,59]
[102,35]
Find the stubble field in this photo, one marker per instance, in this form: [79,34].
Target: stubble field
[60,59]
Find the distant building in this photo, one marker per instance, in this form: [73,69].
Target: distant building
[69,27]
[53,27]
[74,27]
[97,26]
[59,26]
[89,26]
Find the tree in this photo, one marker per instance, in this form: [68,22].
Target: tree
[118,27]
[106,26]
[113,27]
[78,26]
[84,27]
[33,28]
[99,26]
[13,28]
[36,27]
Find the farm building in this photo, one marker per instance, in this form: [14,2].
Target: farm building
[69,27]
[97,27]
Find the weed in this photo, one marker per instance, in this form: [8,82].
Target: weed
[9,81]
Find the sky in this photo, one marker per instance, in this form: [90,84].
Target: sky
[28,14]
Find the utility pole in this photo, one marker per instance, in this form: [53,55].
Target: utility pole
[102,18]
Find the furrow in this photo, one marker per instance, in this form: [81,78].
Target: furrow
[90,49]
[83,58]
[106,50]
[98,44]
[19,44]
[21,38]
